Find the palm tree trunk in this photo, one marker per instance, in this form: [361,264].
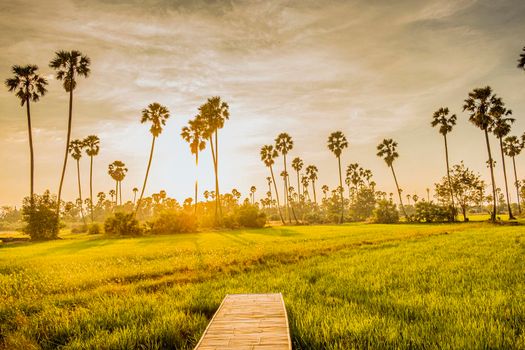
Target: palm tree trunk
[399,193]
[91,186]
[215,171]
[341,190]
[196,178]
[67,147]
[147,173]
[31,155]
[298,185]
[80,191]
[134,197]
[120,191]
[517,185]
[218,197]
[313,187]
[511,217]
[494,206]
[116,193]
[450,181]
[286,191]
[277,196]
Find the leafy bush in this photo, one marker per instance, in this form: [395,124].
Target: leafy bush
[430,212]
[386,212]
[250,216]
[123,224]
[79,229]
[94,229]
[42,221]
[173,222]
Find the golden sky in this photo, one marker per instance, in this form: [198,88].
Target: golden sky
[372,69]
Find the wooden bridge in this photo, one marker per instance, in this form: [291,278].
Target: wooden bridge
[248,321]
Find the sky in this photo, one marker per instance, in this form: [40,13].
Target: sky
[372,69]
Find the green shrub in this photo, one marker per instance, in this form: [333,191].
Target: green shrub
[430,212]
[41,219]
[94,229]
[122,224]
[173,222]
[79,229]
[386,212]
[250,216]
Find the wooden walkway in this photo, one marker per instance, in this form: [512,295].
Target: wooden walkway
[248,321]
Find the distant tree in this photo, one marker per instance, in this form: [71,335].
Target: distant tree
[336,144]
[297,165]
[92,145]
[135,190]
[325,190]
[252,194]
[214,114]
[69,65]
[305,181]
[112,194]
[75,149]
[284,144]
[157,115]
[193,134]
[445,122]
[512,147]
[269,181]
[311,172]
[268,155]
[387,150]
[38,213]
[117,170]
[521,60]
[501,128]
[28,87]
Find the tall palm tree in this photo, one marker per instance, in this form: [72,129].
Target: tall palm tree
[193,134]
[297,165]
[92,145]
[75,149]
[512,147]
[157,115]
[336,144]
[305,181]
[387,150]
[214,114]
[521,60]
[501,128]
[284,144]
[117,170]
[325,190]
[441,117]
[69,65]
[135,190]
[28,86]
[268,155]
[479,104]
[311,172]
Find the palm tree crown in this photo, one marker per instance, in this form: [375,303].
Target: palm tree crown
[75,149]
[521,61]
[117,170]
[92,145]
[157,115]
[441,118]
[512,146]
[268,155]
[297,164]
[480,103]
[337,142]
[283,143]
[213,113]
[68,64]
[311,172]
[502,123]
[387,150]
[193,134]
[27,84]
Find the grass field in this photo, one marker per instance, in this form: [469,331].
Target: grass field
[351,286]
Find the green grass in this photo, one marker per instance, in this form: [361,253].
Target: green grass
[351,286]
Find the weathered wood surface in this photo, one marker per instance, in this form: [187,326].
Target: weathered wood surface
[248,321]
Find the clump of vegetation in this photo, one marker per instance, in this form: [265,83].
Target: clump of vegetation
[431,212]
[250,216]
[39,214]
[94,229]
[122,224]
[173,222]
[386,212]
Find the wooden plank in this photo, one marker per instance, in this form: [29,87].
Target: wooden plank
[248,321]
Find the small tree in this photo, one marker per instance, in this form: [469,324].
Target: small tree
[41,219]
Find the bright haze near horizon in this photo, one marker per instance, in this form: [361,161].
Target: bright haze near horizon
[372,69]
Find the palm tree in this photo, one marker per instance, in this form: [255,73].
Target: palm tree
[112,194]
[75,149]
[214,114]
[512,148]
[268,155]
[479,104]
[501,128]
[252,194]
[269,181]
[157,115]
[325,190]
[311,172]
[521,61]
[69,65]
[441,117]
[92,145]
[28,86]
[193,134]
[117,170]
[337,143]
[305,181]
[387,151]
[135,190]
[284,144]
[297,165]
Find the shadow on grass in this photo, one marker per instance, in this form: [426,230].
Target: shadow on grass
[77,246]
